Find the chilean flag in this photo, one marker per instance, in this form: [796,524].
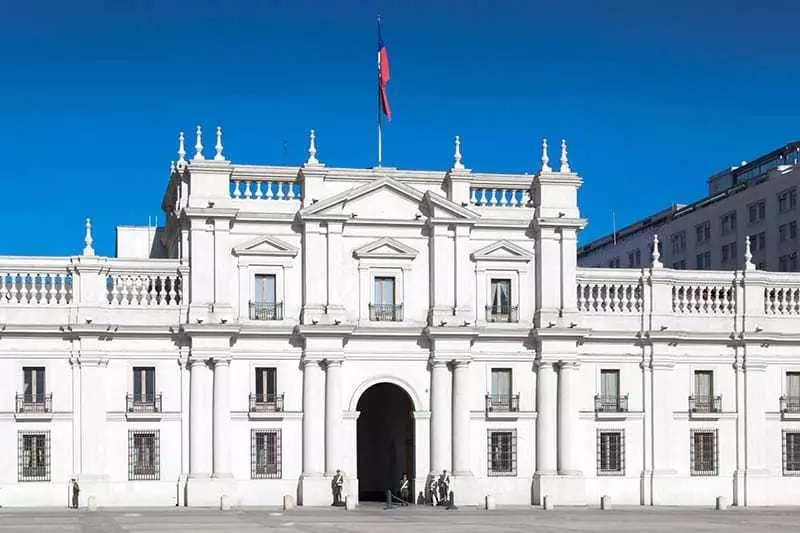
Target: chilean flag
[383,74]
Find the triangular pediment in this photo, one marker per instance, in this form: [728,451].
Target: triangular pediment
[385,248]
[266,246]
[502,251]
[387,199]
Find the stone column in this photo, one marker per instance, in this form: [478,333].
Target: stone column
[185,385]
[313,419]
[568,438]
[200,419]
[222,418]
[461,465]
[440,407]
[77,464]
[546,421]
[333,416]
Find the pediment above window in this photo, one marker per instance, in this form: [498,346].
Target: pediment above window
[502,251]
[385,248]
[266,246]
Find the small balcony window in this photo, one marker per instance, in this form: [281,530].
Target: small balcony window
[790,402]
[501,399]
[500,308]
[144,399]
[384,307]
[265,305]
[266,397]
[704,400]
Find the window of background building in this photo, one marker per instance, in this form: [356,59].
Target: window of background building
[788,231]
[758,241]
[614,263]
[501,453]
[703,261]
[703,452]
[757,212]
[634,259]
[610,453]
[678,241]
[729,252]
[703,232]
[728,223]
[787,200]
[679,265]
[788,262]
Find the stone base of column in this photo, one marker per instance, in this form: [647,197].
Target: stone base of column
[315,490]
[206,492]
[563,489]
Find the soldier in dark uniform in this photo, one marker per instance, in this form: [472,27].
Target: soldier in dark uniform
[405,490]
[336,486]
[76,490]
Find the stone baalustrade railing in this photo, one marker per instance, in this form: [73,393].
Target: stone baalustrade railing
[687,300]
[70,289]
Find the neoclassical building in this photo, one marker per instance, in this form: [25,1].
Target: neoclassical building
[288,322]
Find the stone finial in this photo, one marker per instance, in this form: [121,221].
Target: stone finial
[181,152]
[545,157]
[87,241]
[218,146]
[748,255]
[171,168]
[312,149]
[655,257]
[198,145]
[457,164]
[564,161]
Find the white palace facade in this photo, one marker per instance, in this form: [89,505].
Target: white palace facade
[288,322]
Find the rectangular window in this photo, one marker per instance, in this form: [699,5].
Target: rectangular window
[34,390]
[634,259]
[757,212]
[788,262]
[383,306]
[758,241]
[787,200]
[143,455]
[729,252]
[702,232]
[679,265]
[265,289]
[265,305]
[500,303]
[793,229]
[33,456]
[791,453]
[609,385]
[703,261]
[703,383]
[614,263]
[728,222]
[265,454]
[703,452]
[501,389]
[266,385]
[501,453]
[678,241]
[783,232]
[610,453]
[725,253]
[144,384]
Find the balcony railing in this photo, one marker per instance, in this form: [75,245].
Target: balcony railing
[386,312]
[611,404]
[790,404]
[35,403]
[705,404]
[502,403]
[143,403]
[266,403]
[266,311]
[503,313]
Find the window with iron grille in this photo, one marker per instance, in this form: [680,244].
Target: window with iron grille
[502,453]
[704,452]
[34,456]
[610,453]
[265,453]
[791,453]
[143,454]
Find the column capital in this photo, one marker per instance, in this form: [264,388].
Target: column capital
[435,363]
[333,362]
[222,361]
[569,364]
[311,362]
[461,363]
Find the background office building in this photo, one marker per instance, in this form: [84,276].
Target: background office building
[756,199]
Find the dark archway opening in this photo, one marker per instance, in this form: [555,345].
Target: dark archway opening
[385,441]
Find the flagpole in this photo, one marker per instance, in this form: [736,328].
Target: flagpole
[378,84]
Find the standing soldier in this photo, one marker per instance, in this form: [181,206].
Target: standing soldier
[405,494]
[444,486]
[434,490]
[336,486]
[76,489]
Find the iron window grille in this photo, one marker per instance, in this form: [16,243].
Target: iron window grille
[791,453]
[265,454]
[611,404]
[705,404]
[144,461]
[266,403]
[386,312]
[611,452]
[505,403]
[146,403]
[33,456]
[502,313]
[501,453]
[266,311]
[35,403]
[704,452]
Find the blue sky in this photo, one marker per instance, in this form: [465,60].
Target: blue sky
[653,97]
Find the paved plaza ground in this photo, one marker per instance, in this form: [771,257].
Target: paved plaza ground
[371,518]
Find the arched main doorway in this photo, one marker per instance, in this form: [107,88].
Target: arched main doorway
[385,440]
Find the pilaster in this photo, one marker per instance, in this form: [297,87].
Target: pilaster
[334,309]
[333,416]
[442,275]
[222,418]
[461,433]
[440,417]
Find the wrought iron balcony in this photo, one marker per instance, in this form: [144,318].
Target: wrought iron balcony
[705,404]
[611,404]
[266,311]
[143,403]
[790,404]
[266,403]
[386,312]
[502,313]
[502,403]
[35,403]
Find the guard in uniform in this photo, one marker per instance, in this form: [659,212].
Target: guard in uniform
[76,490]
[336,487]
[444,486]
[405,490]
